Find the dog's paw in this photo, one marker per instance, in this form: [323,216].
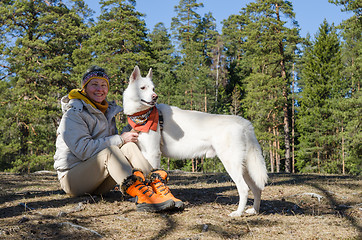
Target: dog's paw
[251,211]
[235,214]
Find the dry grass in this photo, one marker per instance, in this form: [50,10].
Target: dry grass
[33,207]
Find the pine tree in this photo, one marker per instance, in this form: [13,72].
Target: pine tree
[212,47]
[117,42]
[264,57]
[349,105]
[236,65]
[320,84]
[163,63]
[219,71]
[38,62]
[7,144]
[196,39]
[193,35]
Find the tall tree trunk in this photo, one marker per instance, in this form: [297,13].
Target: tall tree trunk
[285,105]
[286,132]
[318,159]
[293,116]
[271,154]
[343,167]
[217,74]
[277,152]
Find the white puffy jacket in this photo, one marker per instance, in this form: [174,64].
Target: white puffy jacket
[83,132]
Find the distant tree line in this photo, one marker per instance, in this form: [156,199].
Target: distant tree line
[301,94]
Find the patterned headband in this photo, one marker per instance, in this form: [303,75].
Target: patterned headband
[95,74]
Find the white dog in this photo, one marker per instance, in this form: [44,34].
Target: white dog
[191,134]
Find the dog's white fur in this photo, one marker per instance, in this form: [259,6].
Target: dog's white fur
[191,134]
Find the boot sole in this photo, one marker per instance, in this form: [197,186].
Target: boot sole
[179,205]
[157,207]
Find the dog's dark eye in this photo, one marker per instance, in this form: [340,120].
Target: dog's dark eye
[143,88]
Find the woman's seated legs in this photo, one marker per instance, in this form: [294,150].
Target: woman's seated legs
[95,175]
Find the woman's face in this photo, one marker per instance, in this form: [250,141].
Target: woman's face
[97,90]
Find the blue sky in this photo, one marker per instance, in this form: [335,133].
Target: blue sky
[309,13]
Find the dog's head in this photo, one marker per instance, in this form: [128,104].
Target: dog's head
[140,93]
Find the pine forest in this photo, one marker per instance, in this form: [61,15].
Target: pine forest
[301,94]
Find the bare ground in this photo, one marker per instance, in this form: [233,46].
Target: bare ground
[32,206]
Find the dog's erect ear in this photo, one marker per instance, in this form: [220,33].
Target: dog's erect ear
[135,74]
[149,75]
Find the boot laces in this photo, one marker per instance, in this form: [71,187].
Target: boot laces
[162,188]
[148,189]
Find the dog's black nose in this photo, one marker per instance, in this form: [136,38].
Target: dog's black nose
[154,97]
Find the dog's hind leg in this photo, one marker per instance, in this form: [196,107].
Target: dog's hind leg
[256,192]
[235,171]
[243,189]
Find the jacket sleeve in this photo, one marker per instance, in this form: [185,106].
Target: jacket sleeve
[77,136]
[127,128]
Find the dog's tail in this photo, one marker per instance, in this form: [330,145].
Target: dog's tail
[256,163]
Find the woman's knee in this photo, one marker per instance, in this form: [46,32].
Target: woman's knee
[130,146]
[112,148]
[112,151]
[130,149]
[135,157]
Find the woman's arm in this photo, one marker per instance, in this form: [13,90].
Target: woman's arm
[76,134]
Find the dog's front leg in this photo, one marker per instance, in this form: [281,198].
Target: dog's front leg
[149,144]
[153,157]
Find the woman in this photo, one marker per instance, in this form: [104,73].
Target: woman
[91,157]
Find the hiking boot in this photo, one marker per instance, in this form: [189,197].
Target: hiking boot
[146,199]
[158,180]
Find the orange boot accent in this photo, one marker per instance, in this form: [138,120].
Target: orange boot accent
[158,180]
[146,199]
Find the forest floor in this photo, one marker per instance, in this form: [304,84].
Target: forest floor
[32,206]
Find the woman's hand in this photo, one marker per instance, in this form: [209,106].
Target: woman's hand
[129,137]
